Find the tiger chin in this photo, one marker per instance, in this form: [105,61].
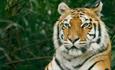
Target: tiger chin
[80,39]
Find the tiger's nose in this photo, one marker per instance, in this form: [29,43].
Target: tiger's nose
[73,40]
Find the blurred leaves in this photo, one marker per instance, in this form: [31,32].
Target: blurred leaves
[26,28]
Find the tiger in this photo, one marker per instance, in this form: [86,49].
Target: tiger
[81,40]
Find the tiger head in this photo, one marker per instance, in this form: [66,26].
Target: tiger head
[77,29]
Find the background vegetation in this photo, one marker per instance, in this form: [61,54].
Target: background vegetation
[26,28]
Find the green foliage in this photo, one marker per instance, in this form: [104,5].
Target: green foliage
[26,28]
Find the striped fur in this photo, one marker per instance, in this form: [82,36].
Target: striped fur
[81,40]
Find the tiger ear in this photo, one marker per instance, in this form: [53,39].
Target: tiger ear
[62,8]
[98,7]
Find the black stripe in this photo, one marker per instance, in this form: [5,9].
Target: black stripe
[99,35]
[94,65]
[98,40]
[91,34]
[94,30]
[57,32]
[57,62]
[99,29]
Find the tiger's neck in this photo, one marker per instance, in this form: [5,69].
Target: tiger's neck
[71,63]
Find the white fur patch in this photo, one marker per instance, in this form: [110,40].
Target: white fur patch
[74,52]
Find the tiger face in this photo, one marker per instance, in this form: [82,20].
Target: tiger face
[78,29]
[81,40]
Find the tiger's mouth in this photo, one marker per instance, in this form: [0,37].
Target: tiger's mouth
[73,51]
[76,48]
[83,48]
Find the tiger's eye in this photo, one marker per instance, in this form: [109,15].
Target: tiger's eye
[66,25]
[87,25]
